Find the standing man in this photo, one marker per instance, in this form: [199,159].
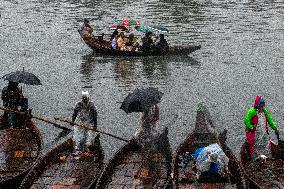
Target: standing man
[257,120]
[87,115]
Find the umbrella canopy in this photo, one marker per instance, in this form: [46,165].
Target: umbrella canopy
[125,24]
[22,77]
[141,99]
[128,22]
[146,29]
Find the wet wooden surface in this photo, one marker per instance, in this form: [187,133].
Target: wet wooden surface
[69,173]
[265,174]
[136,173]
[18,151]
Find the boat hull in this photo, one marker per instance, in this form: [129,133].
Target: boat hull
[20,148]
[104,47]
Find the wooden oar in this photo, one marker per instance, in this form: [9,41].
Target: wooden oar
[36,117]
[90,128]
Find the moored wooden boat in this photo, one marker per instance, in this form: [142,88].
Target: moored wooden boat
[131,167]
[264,175]
[60,169]
[20,147]
[104,47]
[204,134]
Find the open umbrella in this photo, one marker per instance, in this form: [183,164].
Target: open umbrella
[128,22]
[125,24]
[141,99]
[146,29]
[22,77]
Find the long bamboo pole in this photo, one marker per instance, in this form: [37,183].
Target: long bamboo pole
[36,117]
[90,128]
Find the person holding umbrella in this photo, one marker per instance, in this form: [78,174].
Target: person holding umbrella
[87,115]
[12,97]
[144,101]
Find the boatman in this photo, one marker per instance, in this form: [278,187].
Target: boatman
[85,29]
[85,113]
[257,120]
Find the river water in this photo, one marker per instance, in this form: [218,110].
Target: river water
[242,56]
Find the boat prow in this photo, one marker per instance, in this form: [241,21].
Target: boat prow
[184,168]
[129,167]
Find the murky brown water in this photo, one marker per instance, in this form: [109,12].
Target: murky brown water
[241,57]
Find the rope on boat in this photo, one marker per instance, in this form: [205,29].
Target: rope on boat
[90,128]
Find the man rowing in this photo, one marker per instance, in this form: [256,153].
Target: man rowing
[85,29]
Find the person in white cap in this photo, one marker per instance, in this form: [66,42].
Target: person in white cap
[85,113]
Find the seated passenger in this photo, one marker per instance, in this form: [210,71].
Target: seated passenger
[121,42]
[132,42]
[114,42]
[147,42]
[162,45]
[85,29]
[115,33]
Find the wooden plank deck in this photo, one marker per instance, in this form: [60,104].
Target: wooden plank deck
[69,174]
[60,169]
[139,174]
[18,151]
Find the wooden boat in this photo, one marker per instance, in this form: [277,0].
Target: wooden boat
[104,47]
[204,134]
[264,175]
[132,167]
[20,147]
[60,169]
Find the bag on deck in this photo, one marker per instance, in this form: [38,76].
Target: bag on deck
[211,158]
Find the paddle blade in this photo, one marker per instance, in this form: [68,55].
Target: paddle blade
[62,134]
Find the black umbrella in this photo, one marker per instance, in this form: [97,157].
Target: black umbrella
[22,77]
[141,100]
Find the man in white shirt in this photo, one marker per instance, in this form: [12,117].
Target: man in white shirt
[86,114]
